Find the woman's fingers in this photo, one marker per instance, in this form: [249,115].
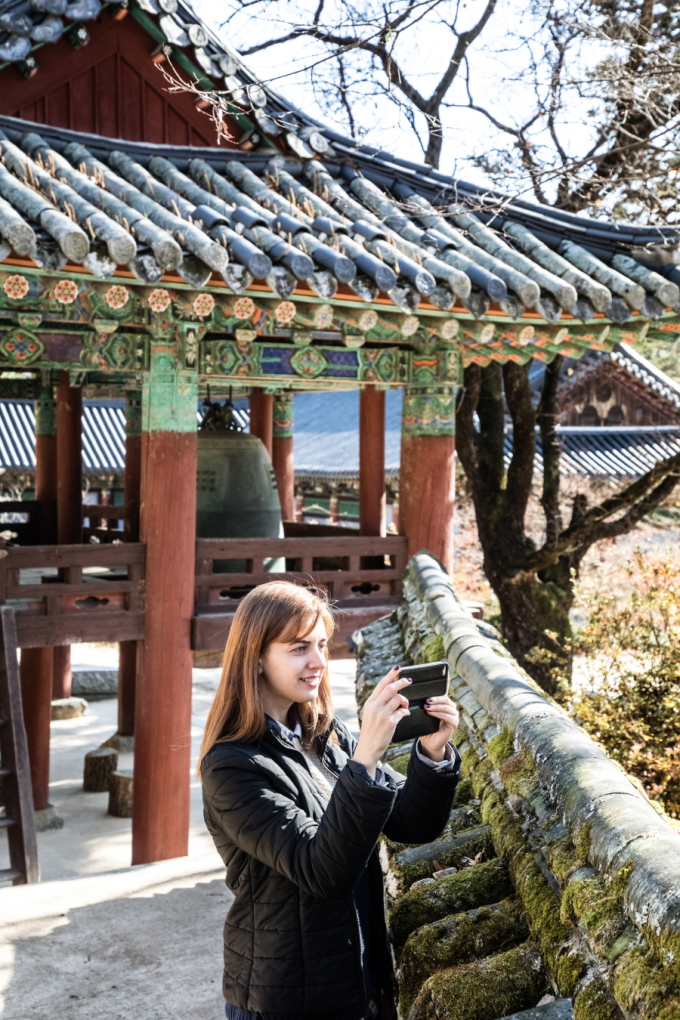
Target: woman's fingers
[398,701]
[387,679]
[383,696]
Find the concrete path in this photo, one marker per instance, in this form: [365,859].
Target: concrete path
[99,939]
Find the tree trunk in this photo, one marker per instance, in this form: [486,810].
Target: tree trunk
[120,793]
[99,766]
[536,628]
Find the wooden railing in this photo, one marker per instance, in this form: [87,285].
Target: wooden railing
[359,574]
[92,592]
[336,564]
[105,523]
[73,593]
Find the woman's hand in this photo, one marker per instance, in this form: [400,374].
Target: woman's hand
[433,745]
[382,711]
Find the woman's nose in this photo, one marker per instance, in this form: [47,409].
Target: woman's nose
[317,658]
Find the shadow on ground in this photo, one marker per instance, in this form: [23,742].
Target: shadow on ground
[155,954]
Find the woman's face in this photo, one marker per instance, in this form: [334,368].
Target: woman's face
[291,671]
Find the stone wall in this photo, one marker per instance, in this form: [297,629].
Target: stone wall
[555,876]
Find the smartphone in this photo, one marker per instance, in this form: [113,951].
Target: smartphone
[430,680]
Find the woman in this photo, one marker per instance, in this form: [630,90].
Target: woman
[295,806]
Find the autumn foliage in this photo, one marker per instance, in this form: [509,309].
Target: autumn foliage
[629,699]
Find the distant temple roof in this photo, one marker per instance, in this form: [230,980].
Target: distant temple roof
[597,452]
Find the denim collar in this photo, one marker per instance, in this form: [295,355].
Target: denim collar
[283,730]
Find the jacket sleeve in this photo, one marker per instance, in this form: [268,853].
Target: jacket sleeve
[325,858]
[423,802]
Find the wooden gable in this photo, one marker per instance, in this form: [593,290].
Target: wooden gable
[609,395]
[109,87]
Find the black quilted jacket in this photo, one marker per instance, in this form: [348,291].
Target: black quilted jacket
[291,939]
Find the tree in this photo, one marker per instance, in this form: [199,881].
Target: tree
[617,62]
[363,48]
[535,585]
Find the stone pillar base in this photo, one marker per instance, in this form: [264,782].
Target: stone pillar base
[124,745]
[47,818]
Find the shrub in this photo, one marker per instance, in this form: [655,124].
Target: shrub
[631,649]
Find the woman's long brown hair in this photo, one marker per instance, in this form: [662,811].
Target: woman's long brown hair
[272,611]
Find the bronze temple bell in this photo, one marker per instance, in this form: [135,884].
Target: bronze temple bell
[236,493]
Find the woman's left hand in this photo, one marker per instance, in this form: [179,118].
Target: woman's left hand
[433,744]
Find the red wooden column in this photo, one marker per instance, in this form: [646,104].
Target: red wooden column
[46,465]
[262,416]
[69,499]
[69,462]
[282,453]
[36,697]
[160,820]
[427,471]
[36,663]
[372,461]
[127,650]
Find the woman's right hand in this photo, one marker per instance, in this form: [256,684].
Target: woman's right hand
[382,711]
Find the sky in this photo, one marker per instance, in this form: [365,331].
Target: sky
[497,63]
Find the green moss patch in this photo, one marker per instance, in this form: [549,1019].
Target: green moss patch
[462,818]
[541,903]
[518,773]
[596,1002]
[485,989]
[473,887]
[502,747]
[470,761]
[434,649]
[448,852]
[464,793]
[647,978]
[592,902]
[481,776]
[400,764]
[456,940]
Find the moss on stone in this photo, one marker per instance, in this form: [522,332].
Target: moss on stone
[564,859]
[518,773]
[400,764]
[481,776]
[464,793]
[591,902]
[582,841]
[507,836]
[461,818]
[596,1002]
[484,989]
[647,978]
[473,887]
[448,851]
[434,649]
[620,880]
[501,747]
[461,734]
[541,903]
[458,939]
[469,762]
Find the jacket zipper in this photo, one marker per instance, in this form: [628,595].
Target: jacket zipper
[355,916]
[360,957]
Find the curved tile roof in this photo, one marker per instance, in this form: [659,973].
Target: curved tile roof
[105,203]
